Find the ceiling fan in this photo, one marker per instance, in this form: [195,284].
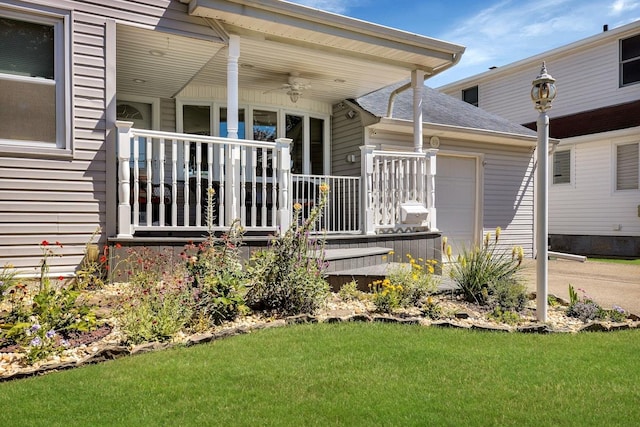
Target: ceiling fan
[295,86]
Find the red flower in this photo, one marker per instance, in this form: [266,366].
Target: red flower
[118,245]
[61,278]
[44,243]
[103,259]
[59,244]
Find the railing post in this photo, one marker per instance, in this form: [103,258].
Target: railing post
[431,188]
[366,159]
[124,154]
[284,178]
[232,190]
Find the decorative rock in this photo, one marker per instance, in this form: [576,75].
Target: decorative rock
[535,329]
[492,328]
[226,333]
[199,339]
[149,347]
[448,324]
[619,326]
[462,315]
[409,321]
[333,320]
[595,327]
[301,318]
[359,318]
[386,319]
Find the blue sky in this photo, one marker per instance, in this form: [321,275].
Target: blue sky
[495,32]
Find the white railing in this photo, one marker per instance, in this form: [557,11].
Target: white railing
[166,178]
[341,213]
[398,190]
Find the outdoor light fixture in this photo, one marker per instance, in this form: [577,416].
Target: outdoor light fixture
[544,90]
[543,93]
[294,95]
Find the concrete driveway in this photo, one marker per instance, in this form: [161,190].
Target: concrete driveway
[607,284]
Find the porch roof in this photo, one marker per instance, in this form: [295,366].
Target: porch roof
[442,112]
[341,57]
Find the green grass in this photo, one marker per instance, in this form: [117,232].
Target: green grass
[617,261]
[349,374]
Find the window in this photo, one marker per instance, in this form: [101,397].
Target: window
[627,162]
[562,167]
[470,95]
[630,60]
[34,72]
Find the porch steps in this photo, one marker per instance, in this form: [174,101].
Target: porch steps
[361,264]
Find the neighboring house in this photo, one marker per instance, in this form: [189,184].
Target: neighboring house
[122,116]
[594,194]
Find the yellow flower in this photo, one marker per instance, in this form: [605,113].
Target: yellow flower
[297,207]
[444,242]
[448,251]
[391,252]
[211,191]
[421,259]
[8,266]
[384,257]
[487,238]
[498,231]
[431,269]
[324,187]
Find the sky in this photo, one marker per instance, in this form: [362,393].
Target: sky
[494,32]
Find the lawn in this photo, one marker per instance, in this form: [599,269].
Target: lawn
[617,261]
[349,374]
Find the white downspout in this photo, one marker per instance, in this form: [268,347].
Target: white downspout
[417,84]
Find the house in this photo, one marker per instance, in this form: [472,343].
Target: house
[155,121]
[594,184]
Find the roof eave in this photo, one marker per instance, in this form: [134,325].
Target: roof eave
[458,132]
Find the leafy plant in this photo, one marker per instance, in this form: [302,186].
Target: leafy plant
[489,274]
[95,269]
[349,292]
[288,277]
[432,309]
[416,282]
[155,313]
[586,309]
[504,316]
[386,296]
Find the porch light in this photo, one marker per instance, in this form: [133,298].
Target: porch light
[543,93]
[294,95]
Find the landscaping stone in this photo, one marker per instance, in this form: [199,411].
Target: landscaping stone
[619,326]
[535,329]
[595,327]
[200,339]
[359,318]
[301,318]
[492,328]
[448,324]
[333,320]
[149,347]
[385,319]
[462,315]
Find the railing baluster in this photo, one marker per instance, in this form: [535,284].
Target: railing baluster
[174,182]
[243,188]
[185,168]
[221,188]
[136,181]
[161,173]
[149,155]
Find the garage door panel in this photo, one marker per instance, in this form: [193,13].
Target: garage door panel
[456,199]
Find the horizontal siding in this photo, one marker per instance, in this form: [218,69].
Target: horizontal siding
[507,195]
[65,200]
[586,79]
[589,205]
[346,138]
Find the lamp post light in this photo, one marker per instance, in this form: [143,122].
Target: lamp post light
[543,93]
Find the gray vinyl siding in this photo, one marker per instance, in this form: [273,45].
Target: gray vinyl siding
[347,135]
[65,199]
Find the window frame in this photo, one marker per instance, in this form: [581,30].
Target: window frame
[468,90]
[614,178]
[61,21]
[622,61]
[571,168]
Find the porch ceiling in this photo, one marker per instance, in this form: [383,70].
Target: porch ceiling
[341,57]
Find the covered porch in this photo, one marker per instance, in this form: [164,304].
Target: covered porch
[188,185]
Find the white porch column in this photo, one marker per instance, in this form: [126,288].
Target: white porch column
[123,139]
[232,178]
[417,84]
[232,86]
[368,214]
[431,188]
[284,178]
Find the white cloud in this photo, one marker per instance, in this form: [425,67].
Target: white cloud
[623,6]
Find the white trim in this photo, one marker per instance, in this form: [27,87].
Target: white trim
[61,21]
[479,205]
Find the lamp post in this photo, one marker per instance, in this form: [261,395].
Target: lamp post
[543,93]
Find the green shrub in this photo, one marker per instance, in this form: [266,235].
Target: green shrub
[504,316]
[488,275]
[217,278]
[349,292]
[432,309]
[288,277]
[416,282]
[386,296]
[154,313]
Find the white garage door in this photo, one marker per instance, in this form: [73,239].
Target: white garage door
[456,200]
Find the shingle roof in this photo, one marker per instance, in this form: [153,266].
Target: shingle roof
[439,108]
